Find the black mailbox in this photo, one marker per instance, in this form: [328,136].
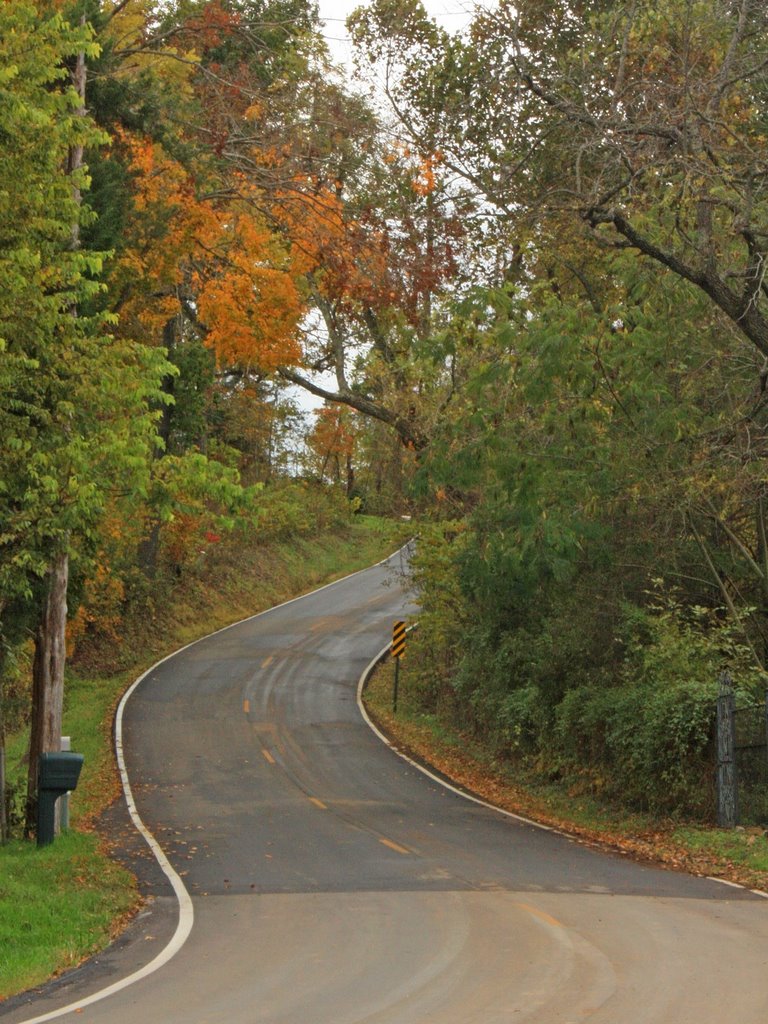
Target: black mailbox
[57,774]
[60,771]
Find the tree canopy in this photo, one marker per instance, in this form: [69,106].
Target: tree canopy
[526,276]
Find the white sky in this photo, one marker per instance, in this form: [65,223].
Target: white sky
[453,15]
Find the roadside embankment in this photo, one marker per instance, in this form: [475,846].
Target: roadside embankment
[739,856]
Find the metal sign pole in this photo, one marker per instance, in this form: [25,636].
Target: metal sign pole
[397,650]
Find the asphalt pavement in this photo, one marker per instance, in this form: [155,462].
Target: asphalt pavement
[334,883]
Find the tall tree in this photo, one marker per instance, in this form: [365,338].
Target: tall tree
[74,405]
[645,121]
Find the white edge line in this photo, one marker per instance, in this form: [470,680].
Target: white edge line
[736,885]
[186,910]
[425,771]
[724,881]
[469,796]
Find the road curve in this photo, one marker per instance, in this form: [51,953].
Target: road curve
[333,883]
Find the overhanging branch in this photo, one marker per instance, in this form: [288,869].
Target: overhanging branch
[410,436]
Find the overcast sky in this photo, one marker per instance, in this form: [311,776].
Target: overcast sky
[451,14]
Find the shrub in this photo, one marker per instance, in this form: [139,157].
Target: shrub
[647,738]
[649,747]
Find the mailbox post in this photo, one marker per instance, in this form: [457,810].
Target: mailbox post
[58,774]
[66,745]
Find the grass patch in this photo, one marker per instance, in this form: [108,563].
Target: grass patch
[742,854]
[736,855]
[61,904]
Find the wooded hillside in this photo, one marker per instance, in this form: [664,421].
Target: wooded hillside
[531,263]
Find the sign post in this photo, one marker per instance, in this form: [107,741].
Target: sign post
[397,651]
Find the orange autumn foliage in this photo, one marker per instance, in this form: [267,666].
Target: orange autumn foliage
[161,238]
[347,260]
[250,300]
[212,26]
[425,180]
[334,433]
[233,266]
[248,279]
[101,609]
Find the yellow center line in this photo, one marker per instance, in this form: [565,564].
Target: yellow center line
[247,706]
[394,846]
[268,661]
[542,915]
[268,757]
[318,803]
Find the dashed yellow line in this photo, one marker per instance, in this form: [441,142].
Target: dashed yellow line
[394,846]
[268,757]
[247,706]
[318,803]
[268,661]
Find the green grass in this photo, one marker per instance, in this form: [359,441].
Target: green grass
[739,856]
[60,904]
[744,851]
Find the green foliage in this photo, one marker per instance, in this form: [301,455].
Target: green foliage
[75,414]
[192,388]
[583,437]
[648,738]
[645,746]
[15,659]
[668,642]
[634,726]
[442,616]
[294,508]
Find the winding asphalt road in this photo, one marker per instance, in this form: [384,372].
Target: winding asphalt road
[334,883]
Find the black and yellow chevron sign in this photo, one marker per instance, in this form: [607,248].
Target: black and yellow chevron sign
[398,640]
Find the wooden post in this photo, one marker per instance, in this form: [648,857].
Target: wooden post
[727,786]
[48,678]
[3,814]
[3,807]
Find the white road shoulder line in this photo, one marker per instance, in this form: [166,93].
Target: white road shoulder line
[469,796]
[724,881]
[186,911]
[425,771]
[736,885]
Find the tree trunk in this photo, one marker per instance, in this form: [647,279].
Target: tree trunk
[762,559]
[3,802]
[410,436]
[3,806]
[48,678]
